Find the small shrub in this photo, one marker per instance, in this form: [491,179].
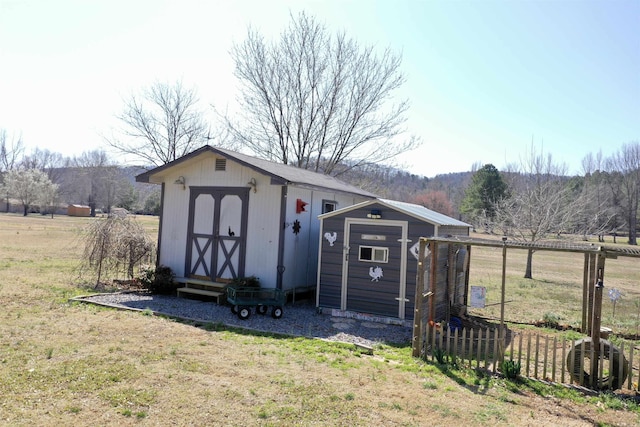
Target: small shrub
[551,320]
[440,355]
[159,280]
[510,369]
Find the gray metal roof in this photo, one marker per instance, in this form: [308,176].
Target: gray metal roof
[423,213]
[279,173]
[417,211]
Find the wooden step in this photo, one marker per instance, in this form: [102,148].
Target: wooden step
[202,287]
[219,296]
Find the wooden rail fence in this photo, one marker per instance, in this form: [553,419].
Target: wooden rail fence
[539,356]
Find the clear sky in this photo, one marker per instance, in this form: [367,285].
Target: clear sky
[484,78]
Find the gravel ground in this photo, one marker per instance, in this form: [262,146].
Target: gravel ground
[300,319]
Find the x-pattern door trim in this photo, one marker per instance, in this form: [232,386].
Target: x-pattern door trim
[215,243]
[201,253]
[228,254]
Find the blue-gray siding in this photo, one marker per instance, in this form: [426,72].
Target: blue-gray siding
[363,295]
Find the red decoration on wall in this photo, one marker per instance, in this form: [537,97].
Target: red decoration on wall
[300,206]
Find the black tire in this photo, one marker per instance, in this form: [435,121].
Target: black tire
[234,309]
[612,381]
[244,313]
[276,313]
[262,309]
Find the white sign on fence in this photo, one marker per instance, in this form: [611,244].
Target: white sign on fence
[478,296]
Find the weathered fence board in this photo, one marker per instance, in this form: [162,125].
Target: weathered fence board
[540,356]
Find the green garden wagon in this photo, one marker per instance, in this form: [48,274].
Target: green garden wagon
[243,298]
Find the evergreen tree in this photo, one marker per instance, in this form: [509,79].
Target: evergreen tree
[486,189]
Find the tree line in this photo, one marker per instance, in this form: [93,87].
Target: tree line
[534,199]
[47,182]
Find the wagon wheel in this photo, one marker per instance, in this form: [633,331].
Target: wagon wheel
[576,359]
[262,309]
[234,309]
[244,312]
[276,313]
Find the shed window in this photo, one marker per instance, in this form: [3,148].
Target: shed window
[373,254]
[329,206]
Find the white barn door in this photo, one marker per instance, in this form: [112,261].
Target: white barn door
[216,243]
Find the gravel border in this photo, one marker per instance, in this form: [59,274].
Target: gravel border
[300,319]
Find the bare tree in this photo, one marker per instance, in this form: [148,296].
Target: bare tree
[49,198]
[599,213]
[315,100]
[624,167]
[539,202]
[100,178]
[11,151]
[113,246]
[46,161]
[436,201]
[161,125]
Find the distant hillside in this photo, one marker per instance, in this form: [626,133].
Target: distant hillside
[396,184]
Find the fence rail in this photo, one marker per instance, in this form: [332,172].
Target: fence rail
[539,356]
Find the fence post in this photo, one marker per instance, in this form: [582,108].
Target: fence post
[545,359]
[448,345]
[630,383]
[601,366]
[520,336]
[553,365]
[455,343]
[535,368]
[418,323]
[595,323]
[464,346]
[511,345]
[620,362]
[433,341]
[528,352]
[562,364]
[582,362]
[440,338]
[497,356]
[478,350]
[487,335]
[470,347]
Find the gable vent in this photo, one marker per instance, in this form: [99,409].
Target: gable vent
[221,164]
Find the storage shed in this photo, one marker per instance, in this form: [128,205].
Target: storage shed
[227,215]
[78,210]
[369,253]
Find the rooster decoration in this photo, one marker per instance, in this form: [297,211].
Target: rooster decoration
[375,273]
[331,237]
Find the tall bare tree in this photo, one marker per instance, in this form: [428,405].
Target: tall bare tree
[99,179]
[316,100]
[11,151]
[600,210]
[46,161]
[161,125]
[539,203]
[624,167]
